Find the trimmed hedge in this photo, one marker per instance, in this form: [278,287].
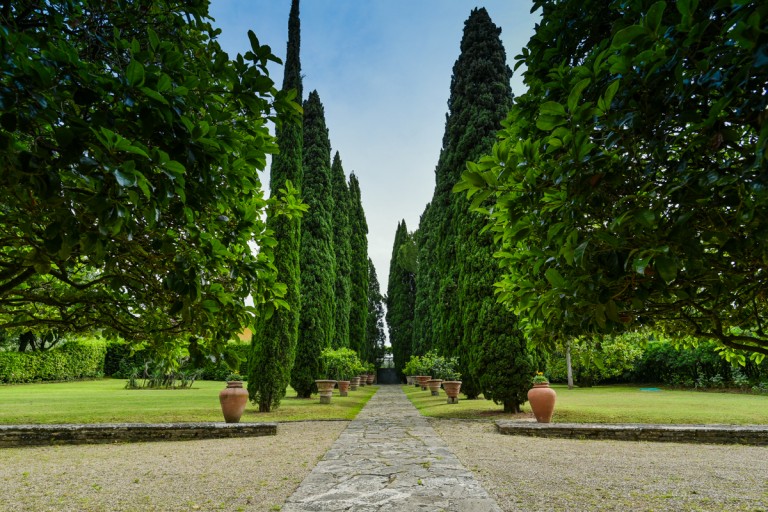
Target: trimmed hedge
[72,360]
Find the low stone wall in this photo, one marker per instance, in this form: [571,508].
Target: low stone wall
[12,436]
[712,434]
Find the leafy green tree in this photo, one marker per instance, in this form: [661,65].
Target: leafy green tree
[358,272]
[401,295]
[129,145]
[317,259]
[374,329]
[599,358]
[342,247]
[629,184]
[274,338]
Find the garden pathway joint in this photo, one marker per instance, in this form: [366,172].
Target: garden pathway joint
[390,459]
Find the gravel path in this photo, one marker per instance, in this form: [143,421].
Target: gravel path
[247,474]
[258,474]
[534,474]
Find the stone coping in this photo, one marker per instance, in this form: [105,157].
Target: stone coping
[13,436]
[756,435]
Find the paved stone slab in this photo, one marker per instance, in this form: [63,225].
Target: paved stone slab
[390,459]
[713,434]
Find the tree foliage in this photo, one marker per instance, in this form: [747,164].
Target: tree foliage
[342,249]
[358,272]
[629,185]
[274,338]
[374,329]
[401,296]
[129,145]
[317,259]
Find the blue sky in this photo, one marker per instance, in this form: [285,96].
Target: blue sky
[382,69]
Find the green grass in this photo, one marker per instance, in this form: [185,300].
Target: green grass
[107,401]
[614,404]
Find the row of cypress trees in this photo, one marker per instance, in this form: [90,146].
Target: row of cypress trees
[322,258]
[446,301]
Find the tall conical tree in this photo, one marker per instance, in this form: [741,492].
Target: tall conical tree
[374,331]
[358,271]
[318,261]
[456,287]
[274,340]
[427,283]
[342,248]
[401,295]
[499,364]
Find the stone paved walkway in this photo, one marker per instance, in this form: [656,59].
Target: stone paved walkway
[390,459]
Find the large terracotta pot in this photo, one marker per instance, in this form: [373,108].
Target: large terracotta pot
[434,386]
[325,390]
[371,378]
[233,400]
[363,379]
[452,388]
[423,379]
[344,388]
[353,383]
[542,399]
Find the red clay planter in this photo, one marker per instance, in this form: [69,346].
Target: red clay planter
[233,400]
[542,399]
[325,390]
[423,381]
[452,388]
[434,386]
[344,387]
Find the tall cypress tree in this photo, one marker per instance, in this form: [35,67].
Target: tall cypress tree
[358,312]
[374,330]
[457,282]
[273,345]
[342,248]
[401,295]
[426,284]
[317,258]
[499,364]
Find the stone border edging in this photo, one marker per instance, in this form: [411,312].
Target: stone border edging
[704,434]
[14,436]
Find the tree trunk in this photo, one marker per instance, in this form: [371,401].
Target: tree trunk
[568,364]
[511,407]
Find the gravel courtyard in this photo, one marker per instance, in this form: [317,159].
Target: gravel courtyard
[255,474]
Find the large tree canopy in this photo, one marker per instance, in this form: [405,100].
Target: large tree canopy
[630,184]
[129,145]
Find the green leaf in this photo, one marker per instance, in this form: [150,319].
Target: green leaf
[666,267]
[125,180]
[610,92]
[134,73]
[548,122]
[154,41]
[552,108]
[555,278]
[653,18]
[575,95]
[154,95]
[627,35]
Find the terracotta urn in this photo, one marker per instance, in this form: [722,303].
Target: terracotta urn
[423,379]
[233,399]
[542,399]
[363,379]
[452,388]
[344,387]
[353,383]
[371,378]
[325,390]
[434,386]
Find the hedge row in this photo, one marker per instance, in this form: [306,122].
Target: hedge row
[73,360]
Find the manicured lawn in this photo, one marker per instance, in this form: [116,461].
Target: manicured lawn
[106,401]
[614,404]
